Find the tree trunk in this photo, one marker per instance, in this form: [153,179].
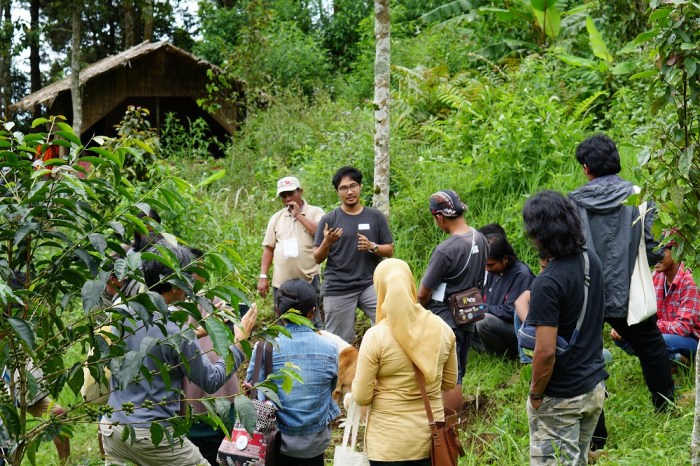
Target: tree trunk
[34,57]
[382,95]
[6,58]
[695,439]
[76,96]
[129,9]
[148,21]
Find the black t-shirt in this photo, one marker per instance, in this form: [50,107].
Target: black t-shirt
[448,264]
[348,269]
[556,300]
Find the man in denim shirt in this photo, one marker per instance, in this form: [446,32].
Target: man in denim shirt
[307,410]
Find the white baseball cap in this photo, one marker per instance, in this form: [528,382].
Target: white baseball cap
[288,183]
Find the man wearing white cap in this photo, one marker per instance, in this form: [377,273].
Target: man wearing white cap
[289,240]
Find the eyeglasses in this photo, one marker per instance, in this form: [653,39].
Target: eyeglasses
[352,187]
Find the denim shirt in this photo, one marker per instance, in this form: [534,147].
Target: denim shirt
[308,408]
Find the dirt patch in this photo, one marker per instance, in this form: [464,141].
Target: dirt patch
[476,409]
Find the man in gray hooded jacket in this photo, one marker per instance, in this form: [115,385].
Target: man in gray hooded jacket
[611,231]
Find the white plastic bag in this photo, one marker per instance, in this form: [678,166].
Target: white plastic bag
[642,300]
[345,455]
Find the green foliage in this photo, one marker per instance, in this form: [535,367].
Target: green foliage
[61,233]
[138,142]
[178,141]
[671,164]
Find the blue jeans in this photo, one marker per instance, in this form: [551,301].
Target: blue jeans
[675,344]
[517,323]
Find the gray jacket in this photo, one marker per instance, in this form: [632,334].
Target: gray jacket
[613,232]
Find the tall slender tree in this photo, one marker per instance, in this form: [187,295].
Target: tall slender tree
[76,95]
[382,96]
[6,33]
[148,20]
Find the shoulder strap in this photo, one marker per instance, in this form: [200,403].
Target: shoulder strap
[586,282]
[253,394]
[471,249]
[421,385]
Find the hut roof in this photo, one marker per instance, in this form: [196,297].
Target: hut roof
[48,94]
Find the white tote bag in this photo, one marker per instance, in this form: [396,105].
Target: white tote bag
[642,301]
[346,455]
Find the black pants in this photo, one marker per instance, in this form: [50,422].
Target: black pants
[648,344]
[285,460]
[208,446]
[423,462]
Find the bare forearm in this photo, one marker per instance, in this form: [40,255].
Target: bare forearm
[307,223]
[385,250]
[321,252]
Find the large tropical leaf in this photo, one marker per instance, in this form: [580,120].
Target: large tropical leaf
[448,10]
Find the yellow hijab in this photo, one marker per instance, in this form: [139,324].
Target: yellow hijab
[418,331]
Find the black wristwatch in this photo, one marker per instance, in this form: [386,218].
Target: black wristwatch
[536,397]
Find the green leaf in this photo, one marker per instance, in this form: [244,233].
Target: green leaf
[91,293]
[40,121]
[245,412]
[660,13]
[447,11]
[88,260]
[295,317]
[157,433]
[211,178]
[76,378]
[98,242]
[23,330]
[598,46]
[143,145]
[686,161]
[549,20]
[690,66]
[219,334]
[163,370]
[623,68]
[10,419]
[501,14]
[69,136]
[645,74]
[577,61]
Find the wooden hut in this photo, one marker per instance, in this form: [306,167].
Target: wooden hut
[153,75]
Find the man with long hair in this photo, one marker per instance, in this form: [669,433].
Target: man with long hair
[568,384]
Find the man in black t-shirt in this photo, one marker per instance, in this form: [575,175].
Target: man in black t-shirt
[567,390]
[353,238]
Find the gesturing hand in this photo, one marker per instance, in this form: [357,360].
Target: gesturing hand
[331,234]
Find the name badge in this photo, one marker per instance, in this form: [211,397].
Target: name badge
[475,249]
[363,226]
[290,248]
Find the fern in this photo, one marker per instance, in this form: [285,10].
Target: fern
[586,104]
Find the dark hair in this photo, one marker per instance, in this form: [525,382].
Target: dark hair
[351,172]
[296,294]
[151,214]
[155,271]
[142,241]
[599,154]
[493,229]
[500,248]
[553,224]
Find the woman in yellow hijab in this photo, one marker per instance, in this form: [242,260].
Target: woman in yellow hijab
[405,334]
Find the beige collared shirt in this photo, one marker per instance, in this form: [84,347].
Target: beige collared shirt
[293,245]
